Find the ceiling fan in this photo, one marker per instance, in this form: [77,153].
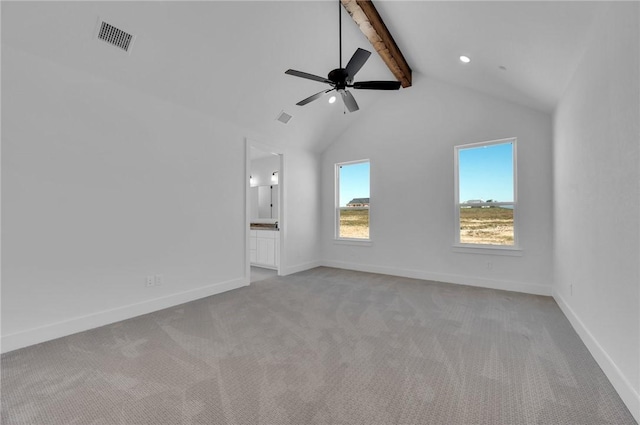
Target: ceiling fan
[342,78]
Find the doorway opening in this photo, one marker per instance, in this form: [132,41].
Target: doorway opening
[265,222]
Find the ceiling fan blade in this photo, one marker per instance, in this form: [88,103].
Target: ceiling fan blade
[349,101]
[377,85]
[313,97]
[357,60]
[307,76]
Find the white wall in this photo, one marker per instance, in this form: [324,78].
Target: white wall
[301,219]
[597,200]
[103,186]
[409,137]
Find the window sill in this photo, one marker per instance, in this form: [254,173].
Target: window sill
[354,242]
[488,250]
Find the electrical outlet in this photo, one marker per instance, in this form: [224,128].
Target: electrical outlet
[149,281]
[158,280]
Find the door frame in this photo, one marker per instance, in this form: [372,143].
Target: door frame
[282,223]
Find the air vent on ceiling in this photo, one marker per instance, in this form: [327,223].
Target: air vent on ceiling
[283,117]
[115,36]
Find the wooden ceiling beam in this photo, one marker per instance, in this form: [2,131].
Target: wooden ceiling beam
[370,23]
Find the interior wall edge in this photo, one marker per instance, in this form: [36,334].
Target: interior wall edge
[627,393]
[505,285]
[52,331]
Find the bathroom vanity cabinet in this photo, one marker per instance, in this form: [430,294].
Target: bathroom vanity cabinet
[264,248]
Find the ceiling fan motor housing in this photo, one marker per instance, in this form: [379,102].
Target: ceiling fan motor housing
[340,77]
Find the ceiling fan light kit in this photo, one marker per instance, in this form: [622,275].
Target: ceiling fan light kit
[342,78]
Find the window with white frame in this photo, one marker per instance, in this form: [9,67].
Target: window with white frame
[352,200]
[486,194]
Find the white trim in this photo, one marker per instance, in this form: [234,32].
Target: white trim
[301,267]
[247,209]
[336,205]
[628,394]
[505,250]
[505,285]
[354,242]
[486,143]
[83,323]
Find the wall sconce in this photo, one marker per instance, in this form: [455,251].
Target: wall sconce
[274,177]
[252,181]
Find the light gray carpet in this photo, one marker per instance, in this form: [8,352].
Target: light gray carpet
[260,273]
[321,347]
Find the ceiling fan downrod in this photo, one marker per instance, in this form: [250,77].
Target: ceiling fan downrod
[340,31]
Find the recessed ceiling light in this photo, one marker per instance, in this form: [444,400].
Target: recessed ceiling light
[332,99]
[465,59]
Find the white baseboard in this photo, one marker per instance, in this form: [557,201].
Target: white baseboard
[78,324]
[527,288]
[300,267]
[628,394]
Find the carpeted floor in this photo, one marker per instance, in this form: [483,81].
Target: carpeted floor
[260,273]
[324,346]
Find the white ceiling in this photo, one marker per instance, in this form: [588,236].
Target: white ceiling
[227,59]
[538,42]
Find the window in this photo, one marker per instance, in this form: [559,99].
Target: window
[352,200]
[486,194]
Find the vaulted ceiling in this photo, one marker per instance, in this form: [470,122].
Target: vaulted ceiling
[227,59]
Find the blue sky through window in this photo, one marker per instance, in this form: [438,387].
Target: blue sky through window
[486,172]
[354,182]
